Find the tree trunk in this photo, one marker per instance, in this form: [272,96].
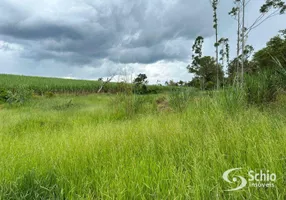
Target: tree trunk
[99,90]
[243,42]
[216,52]
[104,83]
[238,44]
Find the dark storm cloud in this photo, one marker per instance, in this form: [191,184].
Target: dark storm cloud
[79,32]
[39,30]
[172,50]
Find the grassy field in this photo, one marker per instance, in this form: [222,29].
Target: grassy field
[139,147]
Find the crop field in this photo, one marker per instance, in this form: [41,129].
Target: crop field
[41,85]
[123,146]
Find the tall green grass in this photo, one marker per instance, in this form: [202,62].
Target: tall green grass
[89,150]
[264,86]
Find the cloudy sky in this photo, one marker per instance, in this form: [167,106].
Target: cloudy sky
[88,39]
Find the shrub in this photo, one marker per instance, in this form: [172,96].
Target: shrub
[3,95]
[19,96]
[209,85]
[140,89]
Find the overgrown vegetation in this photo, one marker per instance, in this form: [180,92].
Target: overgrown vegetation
[140,141]
[263,87]
[3,95]
[19,96]
[179,98]
[130,146]
[140,84]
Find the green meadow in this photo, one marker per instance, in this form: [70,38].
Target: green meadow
[173,145]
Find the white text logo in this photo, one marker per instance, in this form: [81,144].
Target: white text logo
[261,179]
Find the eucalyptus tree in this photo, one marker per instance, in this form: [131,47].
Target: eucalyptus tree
[224,50]
[196,56]
[236,14]
[268,10]
[214,4]
[205,68]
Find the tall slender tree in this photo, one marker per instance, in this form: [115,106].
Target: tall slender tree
[224,51]
[224,54]
[243,40]
[236,13]
[196,56]
[214,4]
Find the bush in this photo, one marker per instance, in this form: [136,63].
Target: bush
[209,85]
[140,89]
[19,96]
[3,95]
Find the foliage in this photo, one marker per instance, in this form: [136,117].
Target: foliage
[273,4]
[234,67]
[263,87]
[217,42]
[19,96]
[276,48]
[3,95]
[265,73]
[141,79]
[224,52]
[195,82]
[206,71]
[206,74]
[215,20]
[179,83]
[196,55]
[140,84]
